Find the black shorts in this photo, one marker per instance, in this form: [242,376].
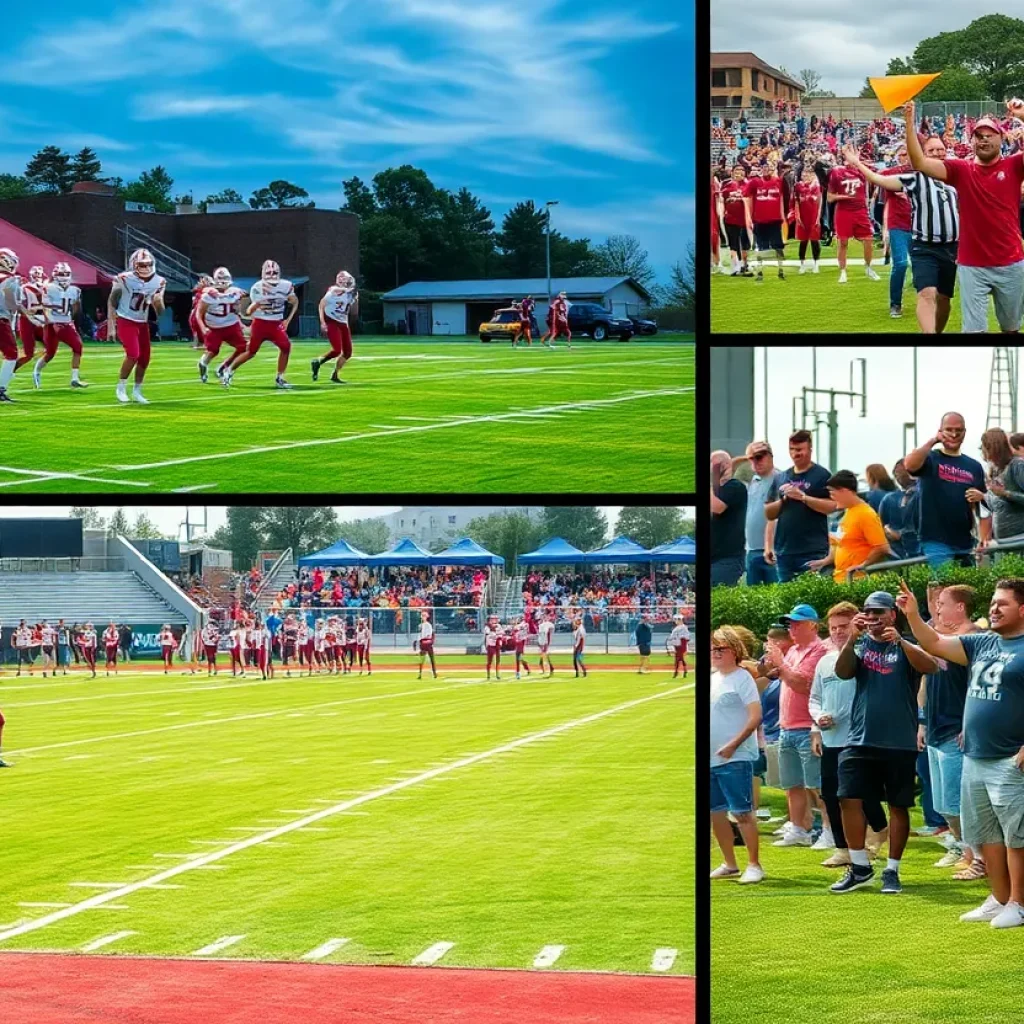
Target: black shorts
[739,240]
[874,773]
[645,650]
[934,266]
[768,236]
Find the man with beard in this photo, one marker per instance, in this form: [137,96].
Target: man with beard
[880,758]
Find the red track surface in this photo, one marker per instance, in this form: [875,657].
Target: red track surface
[37,988]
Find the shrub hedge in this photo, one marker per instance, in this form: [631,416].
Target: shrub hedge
[758,607]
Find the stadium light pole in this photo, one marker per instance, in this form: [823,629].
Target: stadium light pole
[547,241]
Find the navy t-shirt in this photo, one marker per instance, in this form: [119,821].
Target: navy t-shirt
[801,530]
[946,691]
[884,710]
[946,515]
[729,530]
[770,710]
[994,712]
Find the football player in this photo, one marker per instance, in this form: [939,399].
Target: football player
[132,295]
[492,645]
[62,302]
[10,300]
[558,321]
[194,324]
[218,321]
[525,322]
[32,319]
[340,301]
[425,644]
[269,297]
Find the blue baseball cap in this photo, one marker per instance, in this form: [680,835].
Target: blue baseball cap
[879,599]
[801,613]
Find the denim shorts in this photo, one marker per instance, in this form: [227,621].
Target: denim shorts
[992,798]
[798,766]
[945,763]
[732,787]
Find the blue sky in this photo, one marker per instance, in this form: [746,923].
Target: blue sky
[585,102]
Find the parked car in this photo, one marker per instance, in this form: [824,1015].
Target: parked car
[590,318]
[642,325]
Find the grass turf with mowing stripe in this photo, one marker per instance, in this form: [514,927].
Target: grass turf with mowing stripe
[789,948]
[454,416]
[572,840]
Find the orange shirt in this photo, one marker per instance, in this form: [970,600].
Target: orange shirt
[859,532]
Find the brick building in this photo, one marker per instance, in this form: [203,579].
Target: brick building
[744,81]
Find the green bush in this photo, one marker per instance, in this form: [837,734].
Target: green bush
[758,607]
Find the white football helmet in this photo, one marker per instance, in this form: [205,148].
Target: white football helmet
[222,277]
[8,261]
[37,275]
[62,274]
[205,281]
[271,272]
[345,280]
[142,263]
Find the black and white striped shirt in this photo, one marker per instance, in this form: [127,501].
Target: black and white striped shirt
[934,209]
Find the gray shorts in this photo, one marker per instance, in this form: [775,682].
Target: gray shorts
[798,766]
[1004,284]
[992,801]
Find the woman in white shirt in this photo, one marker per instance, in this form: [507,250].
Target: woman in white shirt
[735,717]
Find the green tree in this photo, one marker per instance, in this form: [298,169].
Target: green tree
[582,525]
[14,186]
[225,195]
[509,534]
[90,516]
[390,252]
[144,528]
[304,530]
[461,240]
[990,47]
[624,256]
[369,535]
[279,195]
[680,290]
[359,198]
[153,186]
[49,170]
[85,165]
[242,535]
[521,240]
[650,525]
[118,523]
[955,85]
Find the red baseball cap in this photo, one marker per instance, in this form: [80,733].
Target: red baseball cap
[988,122]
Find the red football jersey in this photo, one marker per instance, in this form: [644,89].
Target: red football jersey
[766,200]
[733,193]
[849,183]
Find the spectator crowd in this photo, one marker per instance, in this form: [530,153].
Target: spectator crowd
[609,595]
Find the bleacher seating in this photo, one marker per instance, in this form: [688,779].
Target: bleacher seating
[80,597]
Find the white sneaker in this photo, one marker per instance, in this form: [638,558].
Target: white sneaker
[787,826]
[752,875]
[37,379]
[949,859]
[948,841]
[816,269]
[122,394]
[825,841]
[986,912]
[870,274]
[803,268]
[724,871]
[137,396]
[842,277]
[796,837]
[1011,916]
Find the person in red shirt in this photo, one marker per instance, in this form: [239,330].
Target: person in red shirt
[990,257]
[738,226]
[767,211]
[806,206]
[847,188]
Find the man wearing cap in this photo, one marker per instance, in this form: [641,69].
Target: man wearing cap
[990,255]
[861,538]
[799,768]
[760,530]
[879,762]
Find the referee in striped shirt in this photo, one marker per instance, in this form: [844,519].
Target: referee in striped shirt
[935,231]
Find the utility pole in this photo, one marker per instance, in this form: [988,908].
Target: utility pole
[547,241]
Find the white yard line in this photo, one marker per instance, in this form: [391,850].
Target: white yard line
[34,476]
[548,955]
[664,959]
[90,947]
[216,947]
[326,949]
[433,953]
[210,860]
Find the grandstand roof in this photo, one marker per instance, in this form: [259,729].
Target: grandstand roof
[466,552]
[339,553]
[556,552]
[405,552]
[620,550]
[34,251]
[683,549]
[503,288]
[746,59]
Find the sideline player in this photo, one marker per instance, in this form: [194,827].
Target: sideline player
[363,637]
[131,296]
[339,303]
[545,630]
[738,226]
[32,320]
[492,645]
[677,643]
[87,643]
[806,206]
[847,188]
[218,321]
[520,634]
[765,207]
[426,643]
[268,298]
[211,641]
[49,637]
[194,322]
[10,300]
[111,642]
[579,643]
[62,302]
[168,646]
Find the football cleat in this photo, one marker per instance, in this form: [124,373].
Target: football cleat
[141,262]
[271,272]
[202,371]
[8,260]
[4,397]
[222,278]
[62,274]
[282,384]
[315,367]
[37,276]
[79,384]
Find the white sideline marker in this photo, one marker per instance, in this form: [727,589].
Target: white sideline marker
[433,953]
[221,943]
[548,955]
[89,947]
[664,959]
[208,860]
[326,949]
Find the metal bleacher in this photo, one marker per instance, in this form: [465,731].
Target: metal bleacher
[81,597]
[175,266]
[510,600]
[281,573]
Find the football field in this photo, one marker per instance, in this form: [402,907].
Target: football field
[542,825]
[414,416]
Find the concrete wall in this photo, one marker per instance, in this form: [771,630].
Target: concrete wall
[449,317]
[732,398]
[137,563]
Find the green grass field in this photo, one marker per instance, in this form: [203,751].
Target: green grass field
[789,949]
[817,302]
[579,837]
[435,416]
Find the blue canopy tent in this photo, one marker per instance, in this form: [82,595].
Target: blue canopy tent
[466,552]
[555,552]
[620,551]
[682,549]
[339,553]
[405,552]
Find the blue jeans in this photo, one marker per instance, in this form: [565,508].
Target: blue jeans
[732,787]
[945,765]
[931,818]
[789,566]
[759,571]
[727,571]
[899,244]
[938,554]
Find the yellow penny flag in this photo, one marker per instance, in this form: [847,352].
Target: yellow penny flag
[894,90]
